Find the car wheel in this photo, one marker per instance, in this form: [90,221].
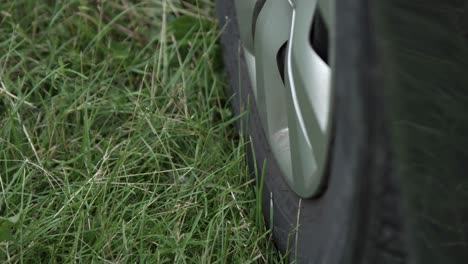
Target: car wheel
[308,75]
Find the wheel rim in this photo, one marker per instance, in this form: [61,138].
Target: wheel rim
[293,97]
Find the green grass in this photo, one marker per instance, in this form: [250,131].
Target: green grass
[116,138]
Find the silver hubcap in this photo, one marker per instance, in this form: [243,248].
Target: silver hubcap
[295,110]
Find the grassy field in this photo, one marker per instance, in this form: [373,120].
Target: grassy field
[116,138]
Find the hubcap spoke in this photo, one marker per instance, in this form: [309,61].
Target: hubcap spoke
[292,97]
[270,37]
[308,84]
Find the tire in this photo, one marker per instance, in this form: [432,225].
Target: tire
[364,211]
